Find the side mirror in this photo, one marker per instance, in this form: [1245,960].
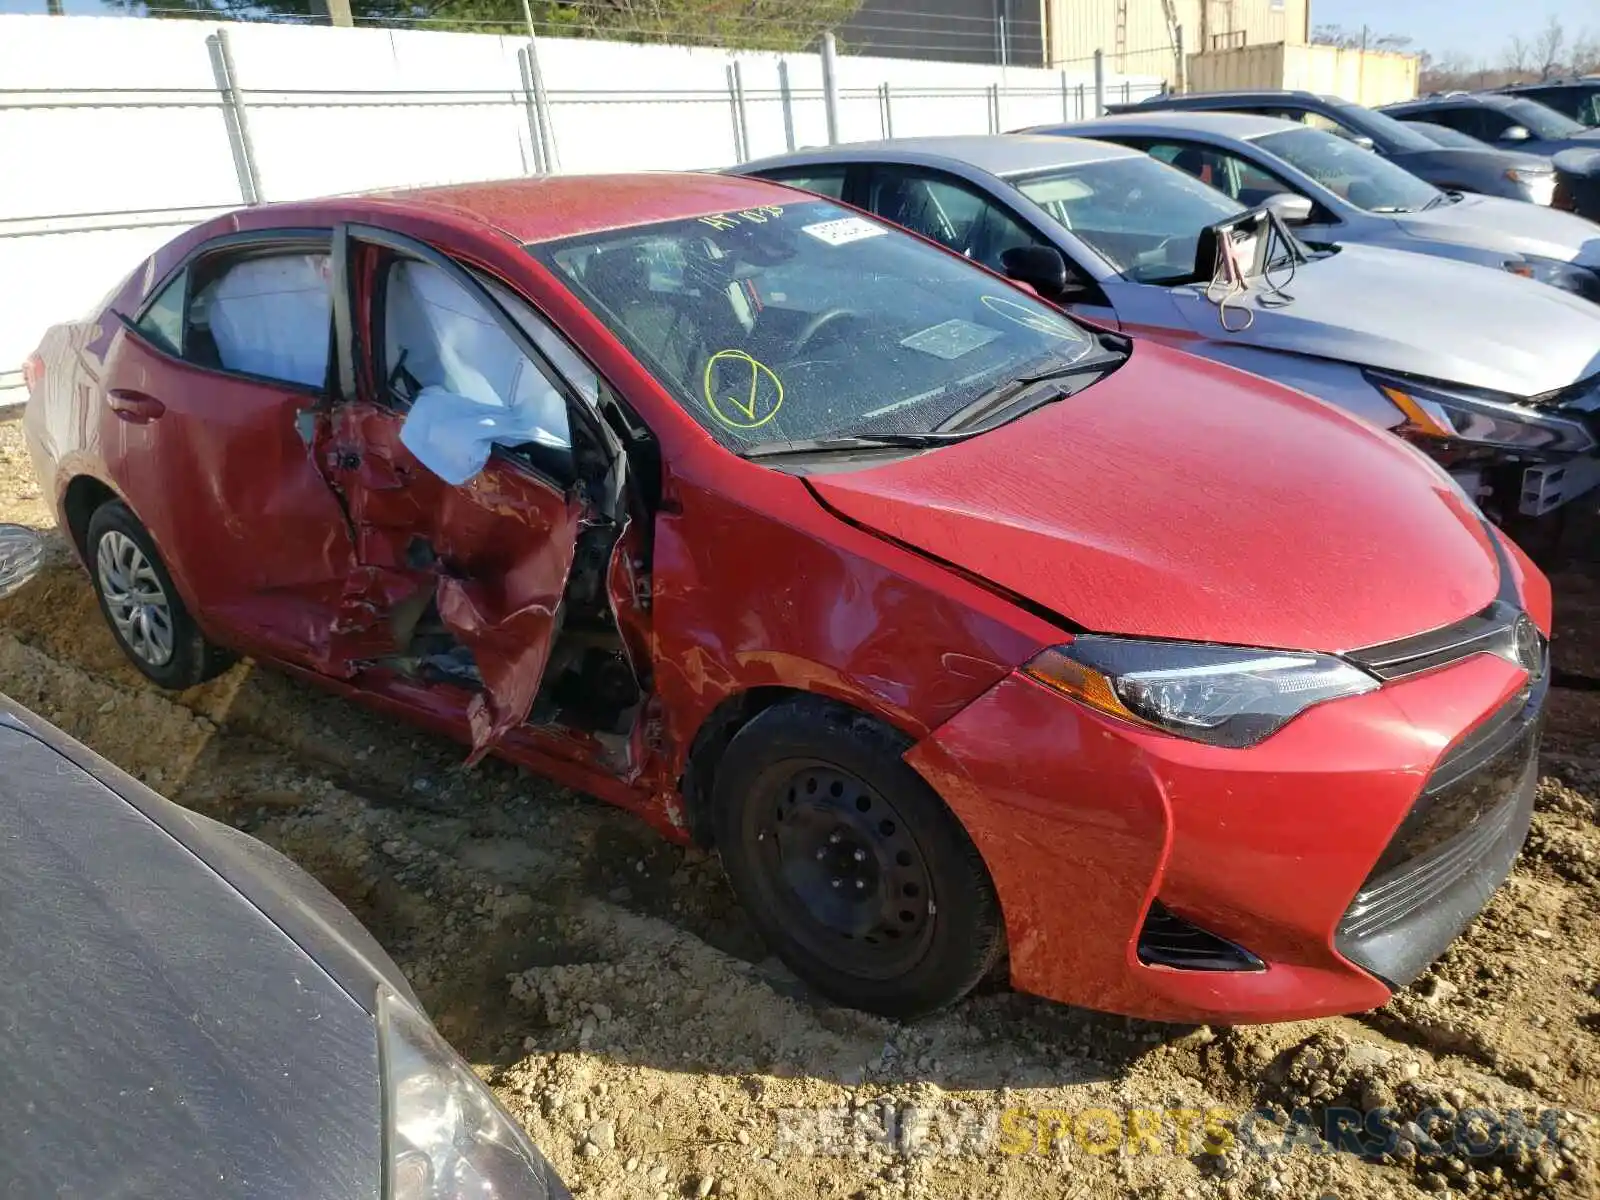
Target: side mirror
[1289,208]
[21,553]
[1364,141]
[1042,268]
[1517,133]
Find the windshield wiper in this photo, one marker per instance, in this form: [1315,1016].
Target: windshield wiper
[834,445]
[1441,198]
[1013,391]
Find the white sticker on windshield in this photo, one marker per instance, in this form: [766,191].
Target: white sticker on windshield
[951,339]
[843,231]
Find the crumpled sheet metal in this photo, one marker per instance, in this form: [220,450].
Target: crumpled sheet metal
[498,582]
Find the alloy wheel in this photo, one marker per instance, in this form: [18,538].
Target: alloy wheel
[138,604]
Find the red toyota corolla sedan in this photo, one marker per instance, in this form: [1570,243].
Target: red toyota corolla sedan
[965,632]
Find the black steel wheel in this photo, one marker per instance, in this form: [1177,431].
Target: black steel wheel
[851,866]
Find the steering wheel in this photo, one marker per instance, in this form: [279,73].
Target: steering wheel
[824,320]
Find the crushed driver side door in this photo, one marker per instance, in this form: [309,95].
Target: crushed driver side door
[463,545]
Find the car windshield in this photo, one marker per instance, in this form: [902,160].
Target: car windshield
[1541,120]
[805,320]
[1382,128]
[1142,216]
[1443,135]
[1365,179]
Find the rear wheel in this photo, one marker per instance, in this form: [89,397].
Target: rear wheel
[145,613]
[850,865]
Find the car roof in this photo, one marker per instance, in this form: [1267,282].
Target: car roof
[548,208]
[998,154]
[1424,103]
[1201,99]
[1222,124]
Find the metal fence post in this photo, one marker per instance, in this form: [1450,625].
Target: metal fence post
[1066,111]
[786,98]
[1127,90]
[994,108]
[830,88]
[541,101]
[1099,83]
[1183,60]
[741,126]
[234,117]
[1083,103]
[886,105]
[531,107]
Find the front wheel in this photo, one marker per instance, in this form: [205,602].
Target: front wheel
[146,615]
[850,865]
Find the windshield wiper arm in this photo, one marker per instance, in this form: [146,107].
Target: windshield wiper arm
[876,441]
[1004,395]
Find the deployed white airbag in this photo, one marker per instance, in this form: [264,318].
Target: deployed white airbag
[270,317]
[477,388]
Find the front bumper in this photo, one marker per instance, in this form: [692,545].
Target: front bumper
[1100,836]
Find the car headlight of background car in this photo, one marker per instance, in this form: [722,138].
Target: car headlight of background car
[1569,277]
[1221,695]
[448,1139]
[1538,186]
[1459,415]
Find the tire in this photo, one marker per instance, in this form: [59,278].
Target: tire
[850,865]
[135,590]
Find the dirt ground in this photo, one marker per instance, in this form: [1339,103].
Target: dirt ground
[614,995]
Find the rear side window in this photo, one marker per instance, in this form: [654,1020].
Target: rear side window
[162,322]
[267,315]
[825,181]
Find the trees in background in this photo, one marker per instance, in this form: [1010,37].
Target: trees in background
[738,24]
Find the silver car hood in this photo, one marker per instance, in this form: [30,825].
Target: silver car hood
[1418,314]
[1491,223]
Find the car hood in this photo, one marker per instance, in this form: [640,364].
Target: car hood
[172,1039]
[1421,315]
[1179,498]
[1513,226]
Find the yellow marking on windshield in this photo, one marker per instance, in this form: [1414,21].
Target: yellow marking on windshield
[745,216]
[754,405]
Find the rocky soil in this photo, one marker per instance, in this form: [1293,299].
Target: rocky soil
[612,992]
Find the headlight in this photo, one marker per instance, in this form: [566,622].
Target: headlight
[447,1136]
[1566,276]
[1221,695]
[1540,186]
[1478,419]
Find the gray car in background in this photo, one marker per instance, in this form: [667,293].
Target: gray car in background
[187,1014]
[1493,373]
[1506,121]
[1486,170]
[1347,194]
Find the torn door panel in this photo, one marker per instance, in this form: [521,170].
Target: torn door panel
[493,554]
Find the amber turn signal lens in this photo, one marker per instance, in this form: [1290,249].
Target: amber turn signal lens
[1055,670]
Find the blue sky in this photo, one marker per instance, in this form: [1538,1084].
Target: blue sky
[1478,29]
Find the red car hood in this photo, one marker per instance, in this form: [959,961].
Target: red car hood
[1183,499]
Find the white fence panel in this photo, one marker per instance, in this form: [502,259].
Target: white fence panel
[333,110]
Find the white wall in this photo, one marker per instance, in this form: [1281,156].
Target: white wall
[113,136]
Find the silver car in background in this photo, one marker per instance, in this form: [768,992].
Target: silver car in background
[1345,193]
[1495,375]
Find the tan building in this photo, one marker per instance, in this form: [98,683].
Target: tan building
[1136,35]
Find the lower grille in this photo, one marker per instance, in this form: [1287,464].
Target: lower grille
[1454,847]
[1167,940]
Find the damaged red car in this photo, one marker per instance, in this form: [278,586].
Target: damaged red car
[973,637]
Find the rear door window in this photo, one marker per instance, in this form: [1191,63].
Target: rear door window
[951,213]
[266,314]
[825,181]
